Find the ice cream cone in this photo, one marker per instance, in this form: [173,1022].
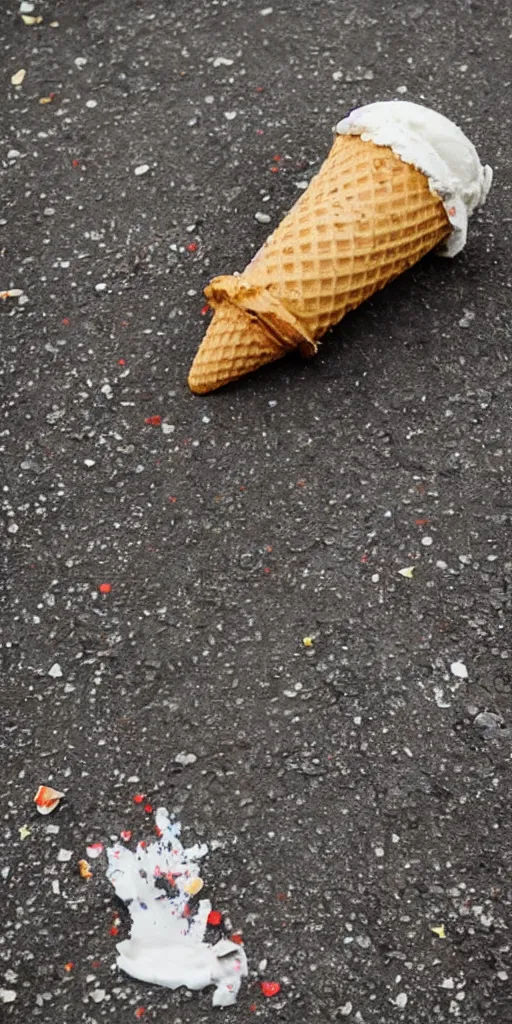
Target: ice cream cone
[366,217]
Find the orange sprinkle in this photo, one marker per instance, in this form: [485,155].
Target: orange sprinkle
[105,588]
[69,966]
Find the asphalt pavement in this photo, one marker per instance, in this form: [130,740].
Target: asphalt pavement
[166,556]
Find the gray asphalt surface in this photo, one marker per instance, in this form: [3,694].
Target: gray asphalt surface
[358,790]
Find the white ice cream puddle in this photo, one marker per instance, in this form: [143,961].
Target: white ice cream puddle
[167,945]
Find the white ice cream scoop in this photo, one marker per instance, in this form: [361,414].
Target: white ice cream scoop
[437,147]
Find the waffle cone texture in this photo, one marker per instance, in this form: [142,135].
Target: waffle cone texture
[364,219]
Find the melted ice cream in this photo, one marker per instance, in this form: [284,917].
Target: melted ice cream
[167,944]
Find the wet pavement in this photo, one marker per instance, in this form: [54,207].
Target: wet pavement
[166,556]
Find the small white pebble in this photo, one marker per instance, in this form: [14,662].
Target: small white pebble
[141,169]
[379,851]
[89,463]
[262,218]
[427,542]
[337,76]
[49,211]
[447,983]
[12,528]
[458,669]
[346,1009]
[222,62]
[441,565]
[107,391]
[185,759]
[80,62]
[401,1000]
[168,428]
[56,887]
[7,995]
[395,838]
[26,7]
[265,11]
[301,184]
[502,975]
[13,154]
[91,104]
[55,671]
[97,995]
[100,287]
[64,856]
[375,577]
[401,89]
[229,114]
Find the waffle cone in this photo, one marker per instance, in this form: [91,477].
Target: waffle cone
[365,218]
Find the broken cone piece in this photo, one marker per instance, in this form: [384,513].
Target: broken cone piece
[47,799]
[400,181]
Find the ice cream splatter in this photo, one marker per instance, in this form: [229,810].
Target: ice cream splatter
[167,940]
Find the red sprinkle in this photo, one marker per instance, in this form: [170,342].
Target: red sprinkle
[66,321]
[96,964]
[186,910]
[126,835]
[253,1007]
[260,88]
[214,918]
[237,939]
[270,988]
[69,966]
[153,421]
[274,170]
[173,500]
[139,798]
[105,588]
[114,931]
[148,808]
[121,362]
[267,570]
[364,558]
[422,522]
[139,1012]
[205,309]
[75,163]
[277,158]
[192,247]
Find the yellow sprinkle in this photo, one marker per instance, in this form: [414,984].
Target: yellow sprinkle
[439,931]
[84,869]
[31,19]
[54,24]
[308,641]
[408,573]
[46,99]
[17,79]
[24,832]
[193,886]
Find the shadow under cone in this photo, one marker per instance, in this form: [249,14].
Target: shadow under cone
[234,344]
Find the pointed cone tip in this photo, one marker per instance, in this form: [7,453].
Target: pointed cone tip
[234,345]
